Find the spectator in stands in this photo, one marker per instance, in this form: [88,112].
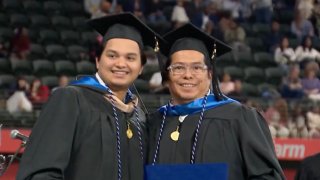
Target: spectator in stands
[238,93]
[63,82]
[18,101]
[301,27]
[103,10]
[137,7]
[211,20]
[273,39]
[92,6]
[234,6]
[155,81]
[298,125]
[245,10]
[313,118]
[212,11]
[154,11]
[226,85]
[277,117]
[214,30]
[179,15]
[305,7]
[21,85]
[93,129]
[20,44]
[284,55]
[309,168]
[291,86]
[151,56]
[218,3]
[39,93]
[235,36]
[156,85]
[317,17]
[306,52]
[262,11]
[311,84]
[195,12]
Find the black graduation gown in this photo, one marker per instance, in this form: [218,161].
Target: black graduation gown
[231,134]
[75,139]
[309,168]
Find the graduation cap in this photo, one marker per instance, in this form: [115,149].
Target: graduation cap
[189,37]
[127,26]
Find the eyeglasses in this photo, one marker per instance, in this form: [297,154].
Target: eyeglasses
[178,69]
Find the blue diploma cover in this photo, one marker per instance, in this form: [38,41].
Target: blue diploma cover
[216,171]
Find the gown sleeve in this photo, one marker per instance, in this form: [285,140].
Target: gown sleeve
[309,168]
[260,161]
[49,147]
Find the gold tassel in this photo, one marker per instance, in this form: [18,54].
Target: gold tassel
[156,47]
[214,52]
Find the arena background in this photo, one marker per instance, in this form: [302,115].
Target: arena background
[48,41]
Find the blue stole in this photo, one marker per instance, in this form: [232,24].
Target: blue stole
[199,171]
[194,106]
[93,83]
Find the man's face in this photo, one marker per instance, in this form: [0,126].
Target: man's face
[120,63]
[194,82]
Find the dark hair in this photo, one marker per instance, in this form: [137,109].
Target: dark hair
[281,42]
[303,42]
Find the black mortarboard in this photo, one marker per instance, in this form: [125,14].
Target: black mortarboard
[125,25]
[189,37]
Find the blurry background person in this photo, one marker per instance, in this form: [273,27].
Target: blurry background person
[39,93]
[226,85]
[284,55]
[179,15]
[18,101]
[20,44]
[63,82]
[306,52]
[313,117]
[291,86]
[311,84]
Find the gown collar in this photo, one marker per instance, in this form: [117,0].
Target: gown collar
[96,83]
[194,106]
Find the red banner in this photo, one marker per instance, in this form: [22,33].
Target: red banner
[296,149]
[286,149]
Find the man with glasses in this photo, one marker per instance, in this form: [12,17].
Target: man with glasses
[200,125]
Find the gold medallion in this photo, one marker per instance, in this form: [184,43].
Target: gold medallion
[175,135]
[129,132]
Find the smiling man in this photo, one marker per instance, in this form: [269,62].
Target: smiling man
[92,129]
[200,125]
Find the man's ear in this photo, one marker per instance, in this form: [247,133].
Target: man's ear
[97,63]
[210,74]
[141,70]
